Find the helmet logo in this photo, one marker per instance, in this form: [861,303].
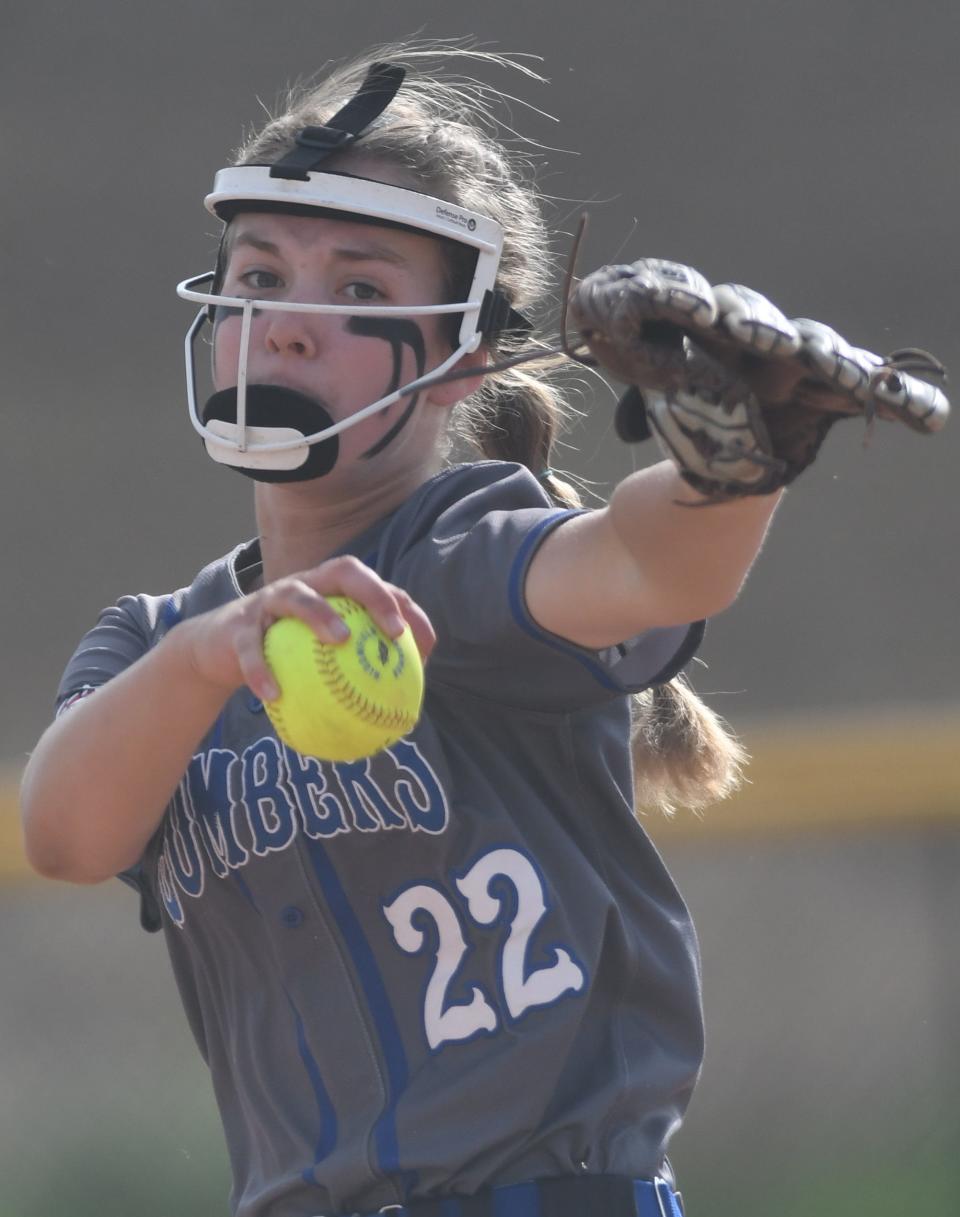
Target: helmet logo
[458,218]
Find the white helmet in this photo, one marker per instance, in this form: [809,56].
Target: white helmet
[276,434]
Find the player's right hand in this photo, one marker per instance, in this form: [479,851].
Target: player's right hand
[226,647]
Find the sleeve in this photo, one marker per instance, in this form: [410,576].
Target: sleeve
[123,633]
[468,571]
[120,637]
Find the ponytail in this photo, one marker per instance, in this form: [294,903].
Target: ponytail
[683,753]
[516,416]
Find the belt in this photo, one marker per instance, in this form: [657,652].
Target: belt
[568,1196]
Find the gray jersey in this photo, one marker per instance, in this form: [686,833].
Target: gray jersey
[461,962]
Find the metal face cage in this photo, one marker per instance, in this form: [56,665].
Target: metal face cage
[254,187]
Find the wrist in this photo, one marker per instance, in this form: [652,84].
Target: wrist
[195,663]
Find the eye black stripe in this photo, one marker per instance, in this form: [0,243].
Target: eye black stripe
[399,332]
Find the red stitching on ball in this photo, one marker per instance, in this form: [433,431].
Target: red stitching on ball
[354,702]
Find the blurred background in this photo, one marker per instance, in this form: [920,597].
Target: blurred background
[810,151]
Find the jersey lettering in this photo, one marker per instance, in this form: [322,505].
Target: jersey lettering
[418,790]
[207,776]
[443,1020]
[320,814]
[521,987]
[267,799]
[168,892]
[371,811]
[184,856]
[230,809]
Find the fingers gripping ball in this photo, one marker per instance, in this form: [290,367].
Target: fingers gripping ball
[346,701]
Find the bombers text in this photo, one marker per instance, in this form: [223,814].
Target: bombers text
[232,807]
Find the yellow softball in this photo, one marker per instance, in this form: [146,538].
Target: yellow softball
[348,700]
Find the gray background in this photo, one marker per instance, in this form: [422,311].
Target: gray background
[809,151]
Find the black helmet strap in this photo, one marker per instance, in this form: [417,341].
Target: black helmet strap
[315,144]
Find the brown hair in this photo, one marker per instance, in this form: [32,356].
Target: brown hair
[441,129]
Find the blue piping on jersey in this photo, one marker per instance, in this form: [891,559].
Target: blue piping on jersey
[522,617]
[170,614]
[689,648]
[521,1200]
[676,664]
[328,1115]
[245,889]
[375,992]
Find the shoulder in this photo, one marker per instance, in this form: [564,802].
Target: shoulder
[134,624]
[459,498]
[217,583]
[474,489]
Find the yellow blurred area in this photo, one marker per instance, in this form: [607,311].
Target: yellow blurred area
[829,774]
[13,865]
[839,773]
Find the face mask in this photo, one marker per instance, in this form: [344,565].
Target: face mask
[273,433]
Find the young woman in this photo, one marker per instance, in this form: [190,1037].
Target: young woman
[455,978]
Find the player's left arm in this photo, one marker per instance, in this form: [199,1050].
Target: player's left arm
[652,557]
[740,399]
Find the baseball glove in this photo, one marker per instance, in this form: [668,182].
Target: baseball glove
[737,395]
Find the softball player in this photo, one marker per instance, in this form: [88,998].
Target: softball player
[455,978]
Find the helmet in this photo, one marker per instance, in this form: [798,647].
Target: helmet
[272,433]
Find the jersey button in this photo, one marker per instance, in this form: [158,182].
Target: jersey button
[254,704]
[291,916]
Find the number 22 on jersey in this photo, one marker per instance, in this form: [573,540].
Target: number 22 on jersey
[444,1020]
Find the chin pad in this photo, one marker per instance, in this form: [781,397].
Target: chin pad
[271,406]
[630,420]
